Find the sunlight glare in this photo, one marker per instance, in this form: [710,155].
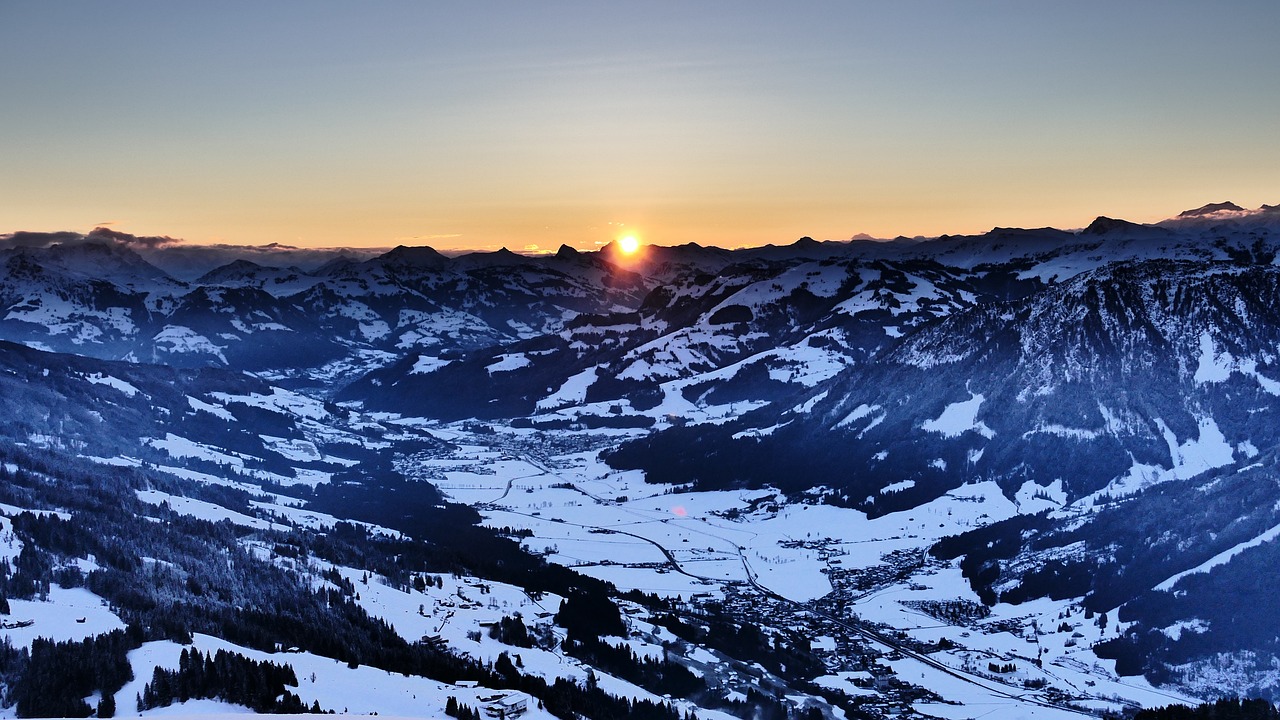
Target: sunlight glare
[628,244]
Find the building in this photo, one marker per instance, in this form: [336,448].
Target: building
[509,705]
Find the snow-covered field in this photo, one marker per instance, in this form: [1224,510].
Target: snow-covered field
[674,542]
[670,541]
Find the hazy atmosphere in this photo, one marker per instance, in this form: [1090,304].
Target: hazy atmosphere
[528,125]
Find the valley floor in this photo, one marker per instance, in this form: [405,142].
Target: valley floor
[865,590]
[898,631]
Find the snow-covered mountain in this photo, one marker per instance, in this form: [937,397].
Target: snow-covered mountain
[103,299]
[764,467]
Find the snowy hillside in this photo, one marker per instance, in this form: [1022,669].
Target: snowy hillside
[1028,473]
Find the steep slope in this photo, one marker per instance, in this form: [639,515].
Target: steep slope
[1148,365]
[48,302]
[104,300]
[754,331]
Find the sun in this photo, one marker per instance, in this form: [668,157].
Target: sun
[628,244]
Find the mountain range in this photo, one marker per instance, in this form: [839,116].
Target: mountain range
[1112,390]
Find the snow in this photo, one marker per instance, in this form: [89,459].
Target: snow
[802,364]
[693,526]
[1213,367]
[58,618]
[118,384]
[1138,477]
[293,449]
[179,448]
[11,510]
[1062,431]
[614,526]
[1195,625]
[205,510]
[874,422]
[214,410]
[427,364]
[572,392]
[347,691]
[958,418]
[180,339]
[760,432]
[858,413]
[375,330]
[1221,558]
[285,402]
[1207,451]
[808,405]
[845,682]
[1216,367]
[1033,498]
[973,700]
[774,545]
[508,362]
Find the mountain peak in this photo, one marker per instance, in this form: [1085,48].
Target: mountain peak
[1210,209]
[236,269]
[422,256]
[1103,225]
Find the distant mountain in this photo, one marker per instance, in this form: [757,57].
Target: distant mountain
[104,299]
[1126,374]
[1211,209]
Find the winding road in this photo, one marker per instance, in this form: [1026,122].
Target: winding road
[854,627]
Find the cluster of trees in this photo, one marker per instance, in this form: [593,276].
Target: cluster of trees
[200,579]
[587,616]
[230,677]
[1129,548]
[1235,709]
[454,709]
[54,678]
[760,706]
[658,676]
[1234,607]
[953,612]
[512,631]
[787,656]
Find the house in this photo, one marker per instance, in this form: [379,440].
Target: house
[506,706]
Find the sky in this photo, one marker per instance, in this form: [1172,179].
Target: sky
[475,125]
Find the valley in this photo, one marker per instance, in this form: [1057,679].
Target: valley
[861,587]
[1030,473]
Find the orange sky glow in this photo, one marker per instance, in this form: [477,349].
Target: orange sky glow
[532,125]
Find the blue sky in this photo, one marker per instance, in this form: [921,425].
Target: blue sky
[483,124]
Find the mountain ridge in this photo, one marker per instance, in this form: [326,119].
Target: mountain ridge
[1023,424]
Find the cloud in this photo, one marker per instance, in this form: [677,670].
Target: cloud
[124,238]
[30,239]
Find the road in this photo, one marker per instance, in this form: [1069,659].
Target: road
[878,638]
[856,628]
